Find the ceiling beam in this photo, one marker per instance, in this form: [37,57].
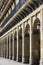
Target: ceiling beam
[6,9]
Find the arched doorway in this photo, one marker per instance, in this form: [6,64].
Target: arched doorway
[36,42]
[26,44]
[15,45]
[20,46]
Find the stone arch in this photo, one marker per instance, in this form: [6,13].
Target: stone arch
[26,44]
[20,45]
[36,42]
[15,45]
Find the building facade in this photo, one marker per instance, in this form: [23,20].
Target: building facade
[21,31]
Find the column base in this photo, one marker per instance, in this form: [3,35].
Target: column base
[41,62]
[25,60]
[14,58]
[19,59]
[34,62]
[6,56]
[10,57]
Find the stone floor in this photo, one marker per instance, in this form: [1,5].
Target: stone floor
[9,62]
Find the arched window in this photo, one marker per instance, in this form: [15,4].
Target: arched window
[9,11]
[13,6]
[7,15]
[17,1]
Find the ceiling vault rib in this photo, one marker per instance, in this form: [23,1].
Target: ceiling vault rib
[26,10]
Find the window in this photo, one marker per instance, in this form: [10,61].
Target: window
[13,6]
[9,10]
[7,15]
[38,26]
[17,1]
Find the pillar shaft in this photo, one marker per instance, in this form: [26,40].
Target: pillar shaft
[41,32]
[0,48]
[7,47]
[13,46]
[30,40]
[17,44]
[22,42]
[4,48]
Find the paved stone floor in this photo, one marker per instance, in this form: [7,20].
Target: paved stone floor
[9,62]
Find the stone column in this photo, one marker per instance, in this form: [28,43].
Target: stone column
[0,53]
[41,36]
[10,46]
[23,42]
[7,47]
[30,40]
[0,48]
[17,43]
[4,47]
[13,46]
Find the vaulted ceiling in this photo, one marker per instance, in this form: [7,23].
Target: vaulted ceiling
[3,13]
[27,8]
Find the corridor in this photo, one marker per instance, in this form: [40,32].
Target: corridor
[21,32]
